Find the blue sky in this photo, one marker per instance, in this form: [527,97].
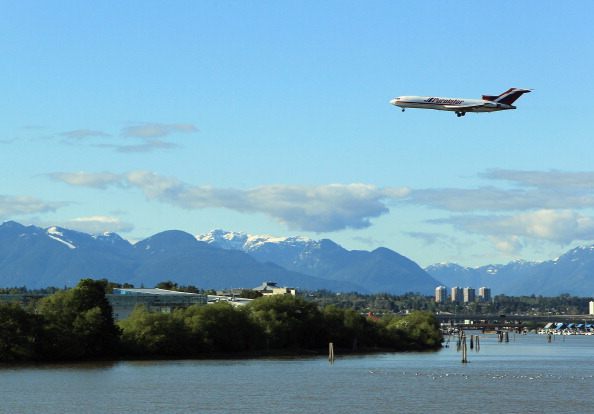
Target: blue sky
[274,118]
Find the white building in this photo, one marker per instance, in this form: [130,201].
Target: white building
[485,294]
[441,294]
[270,288]
[591,307]
[457,294]
[123,301]
[469,295]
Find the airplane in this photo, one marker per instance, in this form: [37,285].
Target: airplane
[461,106]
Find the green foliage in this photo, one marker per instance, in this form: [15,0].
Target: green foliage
[418,330]
[153,333]
[220,327]
[250,294]
[562,304]
[19,331]
[346,327]
[287,320]
[385,303]
[193,331]
[110,286]
[23,289]
[169,285]
[79,323]
[272,322]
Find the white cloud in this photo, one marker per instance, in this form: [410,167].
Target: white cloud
[19,205]
[543,206]
[536,215]
[428,238]
[497,199]
[510,245]
[83,133]
[309,208]
[561,227]
[544,179]
[147,133]
[147,146]
[91,225]
[156,130]
[86,179]
[97,224]
[558,226]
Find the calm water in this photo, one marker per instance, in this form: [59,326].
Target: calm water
[526,375]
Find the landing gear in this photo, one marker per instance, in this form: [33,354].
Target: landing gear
[402,109]
[460,113]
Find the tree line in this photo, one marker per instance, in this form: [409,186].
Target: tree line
[500,304]
[77,324]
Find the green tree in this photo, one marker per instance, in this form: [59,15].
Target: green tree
[189,289]
[287,321]
[250,294]
[19,333]
[419,329]
[345,327]
[154,333]
[79,322]
[110,286]
[219,328]
[169,285]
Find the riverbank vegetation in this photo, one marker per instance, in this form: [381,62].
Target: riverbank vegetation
[77,324]
[385,303]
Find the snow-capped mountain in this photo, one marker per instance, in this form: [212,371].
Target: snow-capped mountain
[38,258]
[572,272]
[381,270]
[242,241]
[35,257]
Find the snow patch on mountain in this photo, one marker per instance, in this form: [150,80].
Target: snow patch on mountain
[109,238]
[55,234]
[247,242]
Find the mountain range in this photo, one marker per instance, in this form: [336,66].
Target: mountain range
[381,270]
[37,258]
[572,272]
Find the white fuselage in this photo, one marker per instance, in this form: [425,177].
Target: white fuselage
[449,104]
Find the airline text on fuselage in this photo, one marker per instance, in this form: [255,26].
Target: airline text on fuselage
[444,101]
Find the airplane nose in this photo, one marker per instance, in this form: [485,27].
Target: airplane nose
[393,101]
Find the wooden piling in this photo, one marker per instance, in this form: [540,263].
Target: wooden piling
[331,352]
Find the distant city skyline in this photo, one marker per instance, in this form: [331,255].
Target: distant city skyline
[274,119]
[465,295]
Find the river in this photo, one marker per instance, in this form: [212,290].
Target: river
[526,375]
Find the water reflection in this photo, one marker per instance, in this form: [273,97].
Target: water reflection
[83,365]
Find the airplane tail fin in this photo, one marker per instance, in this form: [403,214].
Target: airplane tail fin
[508,97]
